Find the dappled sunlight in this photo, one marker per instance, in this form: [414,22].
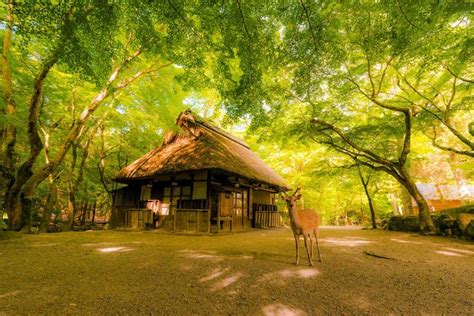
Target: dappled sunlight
[108,243]
[246,257]
[186,267]
[361,302]
[99,244]
[44,245]
[460,250]
[346,242]
[279,309]
[449,253]
[114,249]
[303,273]
[214,274]
[227,281]
[405,241]
[200,254]
[9,294]
[281,276]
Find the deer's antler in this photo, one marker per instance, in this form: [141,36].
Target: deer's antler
[296,192]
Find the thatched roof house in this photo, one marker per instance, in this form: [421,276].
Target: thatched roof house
[202,169]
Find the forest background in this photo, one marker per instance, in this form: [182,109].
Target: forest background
[327,93]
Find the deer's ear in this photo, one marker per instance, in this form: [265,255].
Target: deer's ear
[298,196]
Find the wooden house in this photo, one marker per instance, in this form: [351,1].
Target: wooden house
[445,196]
[201,179]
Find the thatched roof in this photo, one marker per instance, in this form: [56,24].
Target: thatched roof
[201,146]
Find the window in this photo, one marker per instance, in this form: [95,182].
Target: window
[171,195]
[199,190]
[186,193]
[237,203]
[166,200]
[145,193]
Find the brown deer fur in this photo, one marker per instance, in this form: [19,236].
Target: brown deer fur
[303,222]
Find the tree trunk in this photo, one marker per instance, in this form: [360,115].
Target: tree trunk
[72,208]
[394,203]
[371,207]
[426,223]
[365,184]
[52,199]
[8,132]
[71,188]
[94,207]
[407,202]
[51,204]
[13,208]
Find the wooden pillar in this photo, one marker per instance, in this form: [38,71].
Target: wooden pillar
[171,204]
[250,207]
[126,217]
[209,202]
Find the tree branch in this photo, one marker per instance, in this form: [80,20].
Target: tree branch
[450,149]
[457,76]
[407,138]
[346,139]
[405,17]
[308,19]
[369,73]
[183,19]
[373,99]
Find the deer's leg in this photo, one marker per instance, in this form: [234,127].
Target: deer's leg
[311,246]
[297,238]
[316,234]
[307,250]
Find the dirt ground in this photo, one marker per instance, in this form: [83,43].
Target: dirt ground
[251,273]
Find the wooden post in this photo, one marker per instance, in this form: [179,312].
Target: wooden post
[126,217]
[209,203]
[171,204]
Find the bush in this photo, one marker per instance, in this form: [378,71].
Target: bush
[411,224]
[395,223]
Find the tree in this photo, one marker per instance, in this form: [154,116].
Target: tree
[372,77]
[100,42]
[110,45]
[365,183]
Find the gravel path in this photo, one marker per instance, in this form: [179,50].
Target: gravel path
[251,273]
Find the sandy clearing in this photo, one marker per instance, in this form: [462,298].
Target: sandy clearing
[248,273]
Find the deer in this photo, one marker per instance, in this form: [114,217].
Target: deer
[303,222]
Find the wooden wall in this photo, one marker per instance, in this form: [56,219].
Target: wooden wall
[262,197]
[123,198]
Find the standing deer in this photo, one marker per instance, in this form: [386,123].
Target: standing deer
[303,222]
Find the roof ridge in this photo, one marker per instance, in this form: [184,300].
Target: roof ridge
[223,133]
[189,117]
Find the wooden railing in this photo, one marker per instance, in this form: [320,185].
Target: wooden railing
[138,218]
[196,220]
[266,215]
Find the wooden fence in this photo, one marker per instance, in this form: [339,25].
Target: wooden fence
[266,215]
[197,220]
